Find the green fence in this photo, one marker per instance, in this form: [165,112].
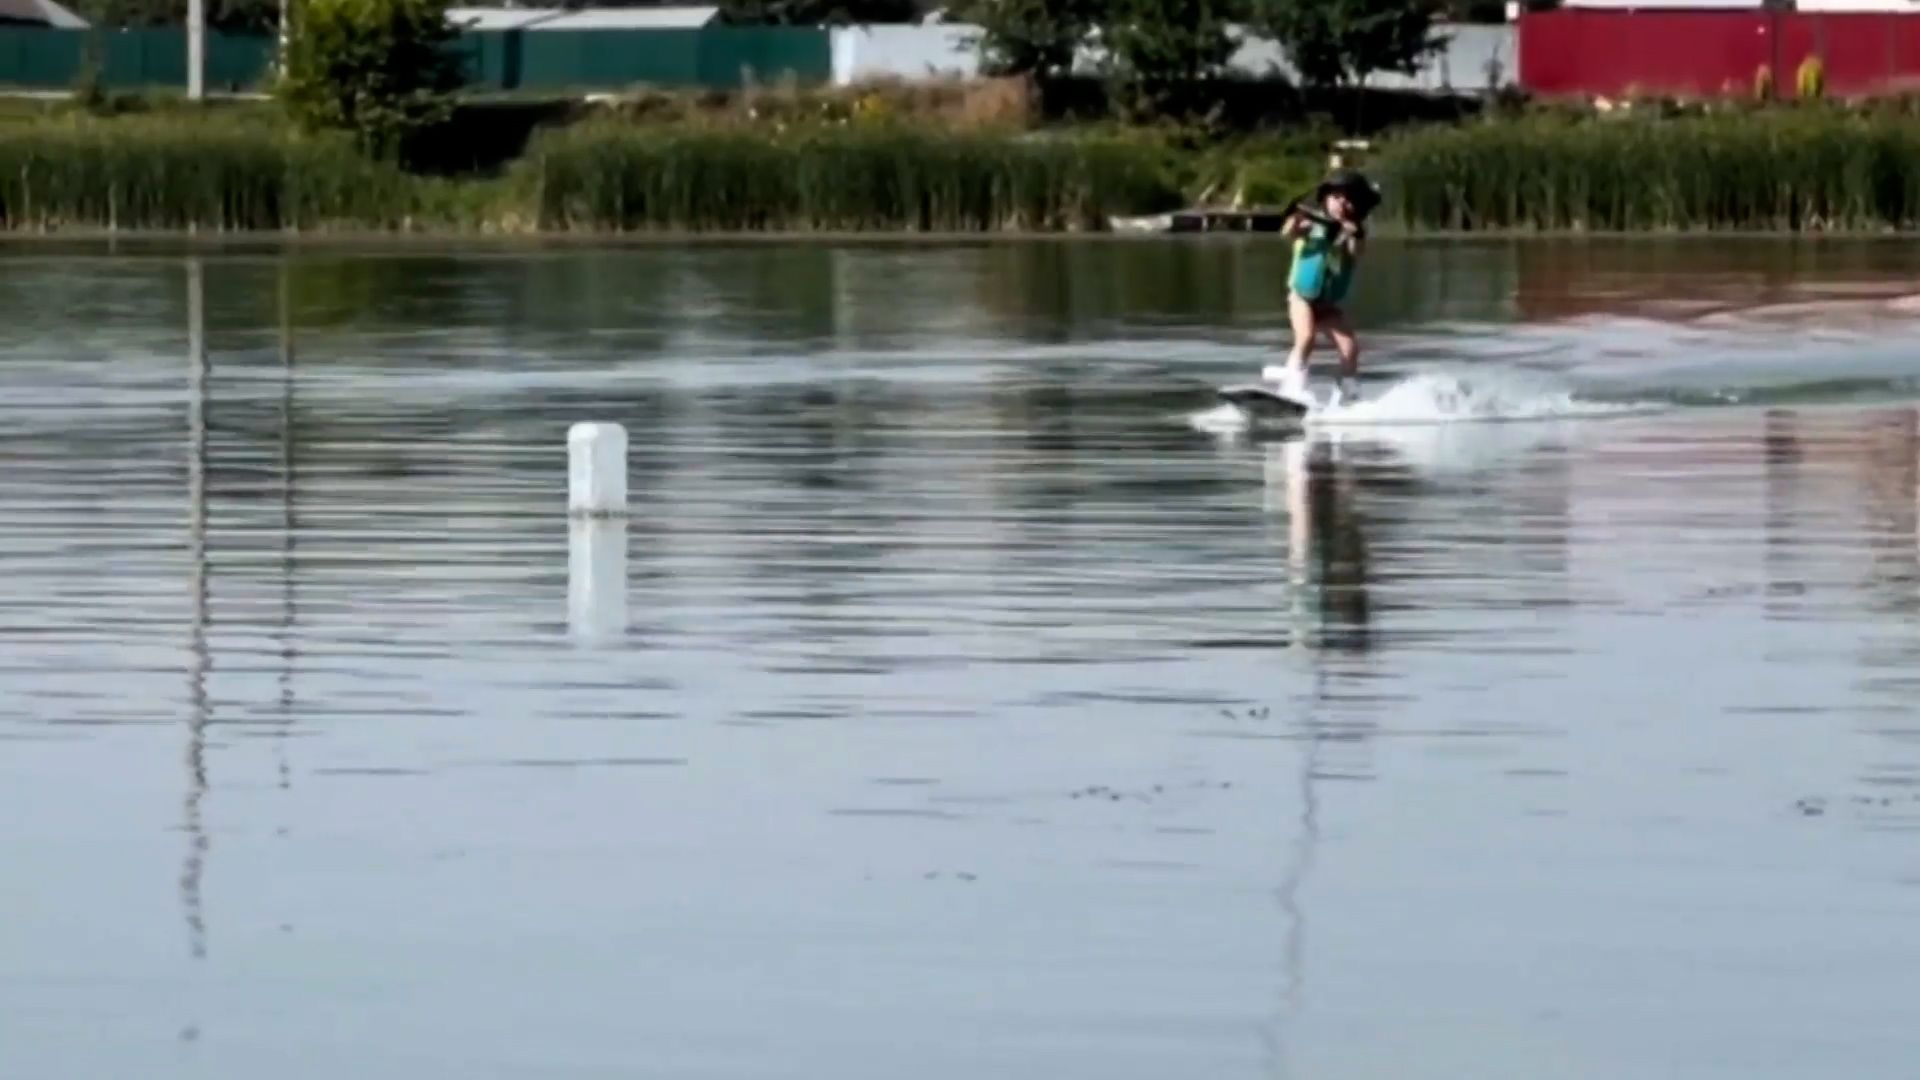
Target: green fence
[497,60]
[556,59]
[53,59]
[732,56]
[712,57]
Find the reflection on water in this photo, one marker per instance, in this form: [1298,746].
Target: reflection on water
[948,704]
[200,710]
[288,527]
[1326,542]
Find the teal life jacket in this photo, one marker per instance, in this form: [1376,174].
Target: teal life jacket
[1322,271]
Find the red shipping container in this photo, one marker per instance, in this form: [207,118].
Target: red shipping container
[1862,53]
[1613,53]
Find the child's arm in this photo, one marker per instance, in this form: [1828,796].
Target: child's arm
[1352,237]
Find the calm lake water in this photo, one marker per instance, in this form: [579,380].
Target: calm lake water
[963,698]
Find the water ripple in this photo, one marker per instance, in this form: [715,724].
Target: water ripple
[944,681]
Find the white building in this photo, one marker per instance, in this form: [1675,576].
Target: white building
[39,13]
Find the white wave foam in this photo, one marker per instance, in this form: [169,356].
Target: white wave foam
[1442,397]
[1222,419]
[1435,450]
[1442,422]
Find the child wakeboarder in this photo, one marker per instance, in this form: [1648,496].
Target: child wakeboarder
[1327,242]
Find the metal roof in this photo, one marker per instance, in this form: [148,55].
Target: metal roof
[634,18]
[478,18]
[677,17]
[42,11]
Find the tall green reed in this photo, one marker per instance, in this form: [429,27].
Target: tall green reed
[1761,170]
[168,173]
[610,176]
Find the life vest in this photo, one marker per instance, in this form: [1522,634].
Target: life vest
[1322,270]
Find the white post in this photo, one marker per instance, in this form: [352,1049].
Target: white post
[597,578]
[596,470]
[597,535]
[196,49]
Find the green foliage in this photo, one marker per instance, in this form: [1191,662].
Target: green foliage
[1339,42]
[89,87]
[1263,171]
[1486,12]
[1813,165]
[601,175]
[154,173]
[817,12]
[1793,169]
[383,70]
[231,16]
[1030,37]
[1164,51]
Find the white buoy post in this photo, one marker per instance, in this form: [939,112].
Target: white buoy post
[597,531]
[196,49]
[597,578]
[596,470]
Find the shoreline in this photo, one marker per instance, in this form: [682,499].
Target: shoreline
[459,241]
[16,240]
[609,182]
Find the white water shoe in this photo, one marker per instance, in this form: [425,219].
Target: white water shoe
[1286,381]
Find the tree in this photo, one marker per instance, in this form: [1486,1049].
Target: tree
[1163,52]
[381,69]
[1340,42]
[817,12]
[227,16]
[1030,37]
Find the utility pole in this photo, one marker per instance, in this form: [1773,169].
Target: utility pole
[196,49]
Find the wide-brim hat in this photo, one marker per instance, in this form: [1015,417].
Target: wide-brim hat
[1363,193]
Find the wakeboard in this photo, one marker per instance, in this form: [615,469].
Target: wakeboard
[1264,401]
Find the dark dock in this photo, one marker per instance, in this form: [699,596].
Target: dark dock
[1203,220]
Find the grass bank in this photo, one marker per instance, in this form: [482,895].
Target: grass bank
[1772,170]
[954,165]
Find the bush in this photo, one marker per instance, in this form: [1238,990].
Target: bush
[1258,172]
[1166,55]
[383,70]
[1340,42]
[1032,38]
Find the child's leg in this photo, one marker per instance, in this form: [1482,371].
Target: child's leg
[1300,313]
[1305,326]
[1344,342]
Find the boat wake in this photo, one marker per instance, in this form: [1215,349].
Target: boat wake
[1445,397]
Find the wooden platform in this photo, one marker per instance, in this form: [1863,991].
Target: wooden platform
[1200,220]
